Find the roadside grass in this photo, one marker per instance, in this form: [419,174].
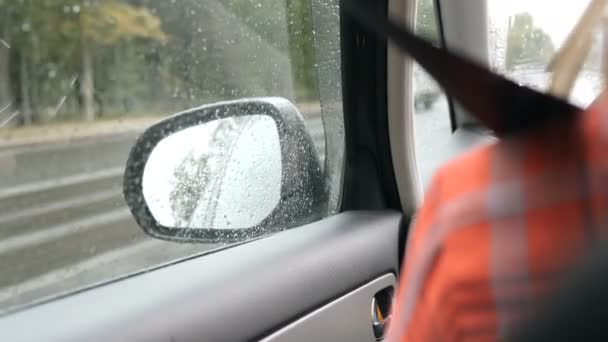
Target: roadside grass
[73,129]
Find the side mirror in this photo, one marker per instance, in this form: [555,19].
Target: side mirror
[225,172]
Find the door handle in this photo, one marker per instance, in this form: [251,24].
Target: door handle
[381,312]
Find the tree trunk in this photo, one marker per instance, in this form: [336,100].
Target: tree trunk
[24,79]
[33,63]
[6,95]
[87,83]
[158,86]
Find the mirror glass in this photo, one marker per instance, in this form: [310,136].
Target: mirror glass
[223,174]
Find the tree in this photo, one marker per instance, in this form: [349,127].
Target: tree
[301,49]
[78,58]
[15,35]
[426,21]
[192,179]
[6,95]
[227,49]
[527,44]
[195,191]
[106,23]
[58,38]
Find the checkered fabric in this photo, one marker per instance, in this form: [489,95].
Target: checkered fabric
[498,229]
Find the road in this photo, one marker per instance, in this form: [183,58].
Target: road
[64,224]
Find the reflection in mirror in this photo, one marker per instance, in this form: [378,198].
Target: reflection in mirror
[223,174]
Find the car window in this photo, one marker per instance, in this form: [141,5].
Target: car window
[431,110]
[524,36]
[80,80]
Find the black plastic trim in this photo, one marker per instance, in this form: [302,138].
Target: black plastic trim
[302,195]
[369,181]
[443,45]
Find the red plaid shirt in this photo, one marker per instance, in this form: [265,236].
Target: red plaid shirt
[498,228]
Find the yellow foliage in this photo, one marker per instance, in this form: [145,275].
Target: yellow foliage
[110,21]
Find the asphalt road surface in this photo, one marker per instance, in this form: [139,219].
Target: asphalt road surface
[64,224]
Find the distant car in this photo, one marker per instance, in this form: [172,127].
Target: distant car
[426,90]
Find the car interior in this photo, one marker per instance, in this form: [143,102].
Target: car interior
[316,282]
[333,279]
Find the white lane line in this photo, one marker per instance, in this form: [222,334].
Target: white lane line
[95,262]
[71,139]
[60,182]
[59,231]
[61,205]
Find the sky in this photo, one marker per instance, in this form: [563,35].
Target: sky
[556,17]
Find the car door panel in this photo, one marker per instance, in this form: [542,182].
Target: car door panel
[345,319]
[246,293]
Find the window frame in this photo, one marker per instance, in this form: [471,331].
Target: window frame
[464,132]
[369,174]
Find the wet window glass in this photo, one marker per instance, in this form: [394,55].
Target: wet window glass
[526,34]
[80,80]
[431,110]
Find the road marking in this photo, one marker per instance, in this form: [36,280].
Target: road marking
[52,233]
[59,275]
[60,182]
[72,138]
[61,205]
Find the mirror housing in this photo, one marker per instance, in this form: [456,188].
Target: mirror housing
[303,197]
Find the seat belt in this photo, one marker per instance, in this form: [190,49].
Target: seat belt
[501,105]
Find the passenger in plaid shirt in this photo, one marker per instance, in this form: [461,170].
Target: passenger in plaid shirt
[500,226]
